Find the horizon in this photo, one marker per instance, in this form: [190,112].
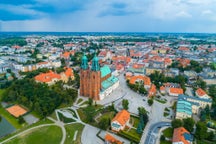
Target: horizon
[151,16]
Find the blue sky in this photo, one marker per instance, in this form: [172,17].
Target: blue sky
[108,15]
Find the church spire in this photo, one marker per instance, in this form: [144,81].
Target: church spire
[84,64]
[95,64]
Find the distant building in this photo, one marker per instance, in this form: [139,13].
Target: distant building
[182,136]
[120,121]
[202,94]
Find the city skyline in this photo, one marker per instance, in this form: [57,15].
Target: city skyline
[108,16]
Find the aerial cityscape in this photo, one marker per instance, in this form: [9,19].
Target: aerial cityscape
[126,72]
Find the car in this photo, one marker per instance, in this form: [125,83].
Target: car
[143,99]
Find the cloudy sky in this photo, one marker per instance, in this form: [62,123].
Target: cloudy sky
[108,15]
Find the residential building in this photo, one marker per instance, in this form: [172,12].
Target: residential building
[152,91]
[146,81]
[181,136]
[109,139]
[202,94]
[175,91]
[120,121]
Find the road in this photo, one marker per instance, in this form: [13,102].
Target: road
[153,132]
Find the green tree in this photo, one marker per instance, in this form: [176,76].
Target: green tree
[125,104]
[90,101]
[176,123]
[150,101]
[139,128]
[142,110]
[21,120]
[201,131]
[188,124]
[104,123]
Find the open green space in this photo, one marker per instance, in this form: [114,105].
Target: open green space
[12,120]
[72,112]
[65,119]
[135,121]
[131,135]
[168,132]
[79,101]
[44,121]
[44,135]
[71,129]
[53,115]
[165,142]
[108,115]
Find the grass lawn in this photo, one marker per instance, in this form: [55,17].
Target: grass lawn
[71,129]
[12,120]
[109,115]
[44,121]
[72,112]
[53,115]
[44,135]
[135,121]
[79,101]
[65,119]
[1,92]
[168,132]
[131,135]
[85,103]
[165,142]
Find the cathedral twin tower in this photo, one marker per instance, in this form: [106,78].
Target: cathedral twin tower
[90,78]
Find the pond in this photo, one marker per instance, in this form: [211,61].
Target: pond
[5,127]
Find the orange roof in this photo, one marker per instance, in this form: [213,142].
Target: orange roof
[200,92]
[152,90]
[112,139]
[184,62]
[67,54]
[40,63]
[16,46]
[137,66]
[47,77]
[184,49]
[16,110]
[162,88]
[122,117]
[145,79]
[121,58]
[178,135]
[69,72]
[176,90]
[69,45]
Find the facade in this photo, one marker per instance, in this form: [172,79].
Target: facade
[120,121]
[96,82]
[182,136]
[188,105]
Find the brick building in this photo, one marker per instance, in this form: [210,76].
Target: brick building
[96,82]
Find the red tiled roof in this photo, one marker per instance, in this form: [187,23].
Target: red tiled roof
[47,77]
[200,92]
[145,79]
[178,135]
[176,90]
[122,117]
[112,139]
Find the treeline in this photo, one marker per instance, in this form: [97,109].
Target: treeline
[13,41]
[39,97]
[194,65]
[158,79]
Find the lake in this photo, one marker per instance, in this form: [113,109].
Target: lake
[5,127]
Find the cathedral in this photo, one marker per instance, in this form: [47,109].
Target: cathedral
[96,82]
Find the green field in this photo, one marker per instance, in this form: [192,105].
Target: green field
[44,121]
[135,121]
[71,129]
[168,132]
[44,135]
[12,120]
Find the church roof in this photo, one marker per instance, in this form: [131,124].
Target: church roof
[105,70]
